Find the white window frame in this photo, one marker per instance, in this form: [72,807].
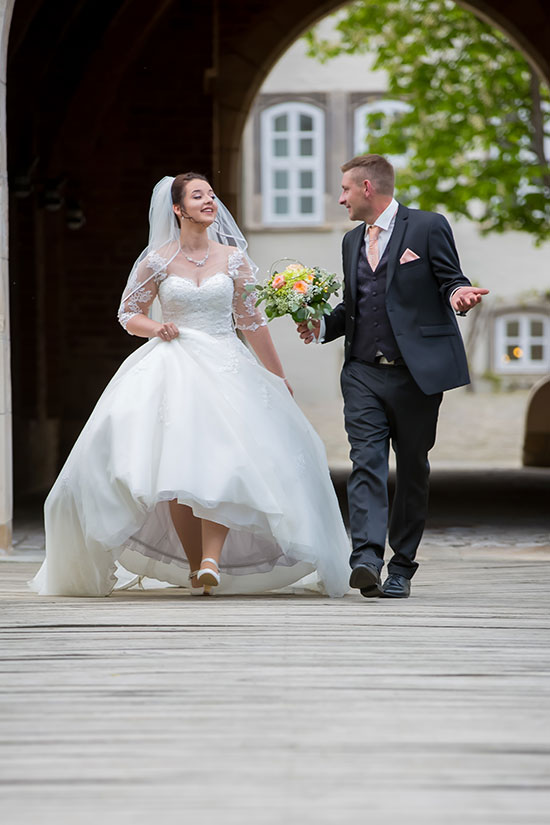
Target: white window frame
[293,164]
[390,108]
[524,340]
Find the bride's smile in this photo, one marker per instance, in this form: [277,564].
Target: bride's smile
[198,207]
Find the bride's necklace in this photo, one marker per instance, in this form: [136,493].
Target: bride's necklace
[193,261]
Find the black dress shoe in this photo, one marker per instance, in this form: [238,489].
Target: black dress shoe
[366,578]
[396,587]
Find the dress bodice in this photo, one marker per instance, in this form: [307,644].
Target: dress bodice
[207,307]
[217,304]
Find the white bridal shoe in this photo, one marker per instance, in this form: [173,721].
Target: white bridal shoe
[207,576]
[197,591]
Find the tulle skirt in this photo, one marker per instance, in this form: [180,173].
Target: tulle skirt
[199,420]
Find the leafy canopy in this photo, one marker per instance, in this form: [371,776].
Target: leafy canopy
[476,139]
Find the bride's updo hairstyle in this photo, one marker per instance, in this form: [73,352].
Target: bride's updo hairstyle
[179,185]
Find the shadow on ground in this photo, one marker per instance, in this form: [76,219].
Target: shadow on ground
[506,497]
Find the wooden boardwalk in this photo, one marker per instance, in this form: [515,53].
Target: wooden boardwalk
[152,707]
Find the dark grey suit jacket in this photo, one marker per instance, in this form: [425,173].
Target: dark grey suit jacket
[417,298]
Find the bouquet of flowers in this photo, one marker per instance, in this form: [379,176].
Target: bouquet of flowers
[297,290]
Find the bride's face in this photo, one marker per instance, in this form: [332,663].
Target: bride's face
[199,203]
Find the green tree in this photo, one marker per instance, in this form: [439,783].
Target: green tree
[477,135]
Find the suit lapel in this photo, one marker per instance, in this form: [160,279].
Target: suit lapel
[396,241]
[356,242]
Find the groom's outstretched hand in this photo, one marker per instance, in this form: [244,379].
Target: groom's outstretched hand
[466,297]
[308,334]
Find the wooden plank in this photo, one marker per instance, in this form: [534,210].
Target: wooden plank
[150,706]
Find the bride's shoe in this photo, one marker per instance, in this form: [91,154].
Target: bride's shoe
[207,576]
[198,591]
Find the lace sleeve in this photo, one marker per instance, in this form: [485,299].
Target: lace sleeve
[142,288]
[248,317]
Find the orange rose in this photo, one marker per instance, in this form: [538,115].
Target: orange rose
[278,281]
[308,277]
[294,268]
[300,286]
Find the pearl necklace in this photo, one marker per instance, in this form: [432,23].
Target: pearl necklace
[193,261]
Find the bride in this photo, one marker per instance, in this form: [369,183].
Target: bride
[196,462]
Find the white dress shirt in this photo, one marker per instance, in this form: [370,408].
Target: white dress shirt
[386,222]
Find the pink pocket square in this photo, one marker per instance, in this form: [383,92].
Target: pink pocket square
[408,256]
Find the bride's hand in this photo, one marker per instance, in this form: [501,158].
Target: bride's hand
[166,332]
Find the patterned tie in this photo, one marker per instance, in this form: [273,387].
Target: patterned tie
[372,251]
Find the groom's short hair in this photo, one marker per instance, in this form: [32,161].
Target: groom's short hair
[375,168]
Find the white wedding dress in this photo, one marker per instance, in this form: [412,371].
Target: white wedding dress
[196,419]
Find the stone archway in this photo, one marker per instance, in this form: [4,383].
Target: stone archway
[6,496]
[536,443]
[237,44]
[247,54]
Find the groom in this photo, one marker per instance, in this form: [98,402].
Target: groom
[402,287]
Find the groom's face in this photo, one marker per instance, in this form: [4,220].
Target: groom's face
[354,194]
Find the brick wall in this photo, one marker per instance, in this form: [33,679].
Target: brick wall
[66,285]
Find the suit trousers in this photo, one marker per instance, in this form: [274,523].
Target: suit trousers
[383,404]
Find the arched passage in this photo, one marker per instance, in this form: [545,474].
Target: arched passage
[536,444]
[102,101]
